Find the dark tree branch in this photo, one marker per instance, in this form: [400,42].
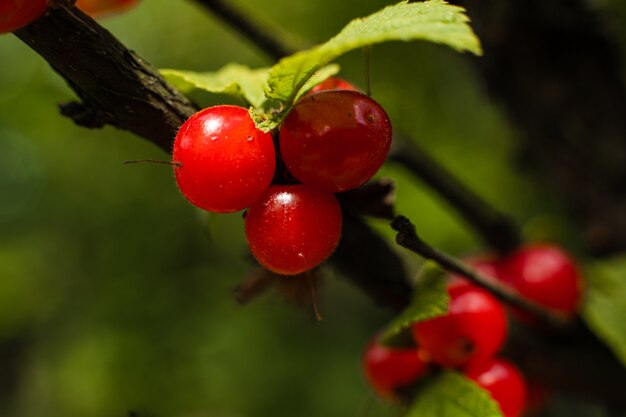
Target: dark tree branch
[496,229]
[553,67]
[116,86]
[408,238]
[367,260]
[374,199]
[580,365]
[266,40]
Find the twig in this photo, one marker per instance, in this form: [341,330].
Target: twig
[153,161]
[496,229]
[366,70]
[408,238]
[263,38]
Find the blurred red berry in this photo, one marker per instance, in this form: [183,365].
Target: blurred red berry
[503,381]
[473,329]
[545,274]
[333,83]
[15,14]
[388,369]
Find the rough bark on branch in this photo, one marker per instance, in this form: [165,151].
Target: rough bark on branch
[115,85]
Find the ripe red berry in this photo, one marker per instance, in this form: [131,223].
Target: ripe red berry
[333,83]
[100,8]
[546,274]
[15,14]
[293,228]
[226,163]
[388,369]
[335,140]
[503,381]
[473,329]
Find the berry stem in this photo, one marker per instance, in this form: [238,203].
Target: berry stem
[152,161]
[314,303]
[366,69]
[408,238]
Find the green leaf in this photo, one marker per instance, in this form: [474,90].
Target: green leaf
[430,300]
[453,395]
[605,307]
[233,79]
[268,119]
[318,77]
[433,20]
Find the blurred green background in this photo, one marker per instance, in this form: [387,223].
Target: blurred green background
[115,293]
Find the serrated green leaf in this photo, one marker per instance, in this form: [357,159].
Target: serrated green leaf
[433,20]
[453,395]
[233,79]
[605,307]
[430,300]
[269,119]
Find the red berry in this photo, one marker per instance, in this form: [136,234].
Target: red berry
[546,274]
[100,8]
[473,329]
[293,228]
[226,162]
[15,14]
[335,140]
[503,381]
[388,369]
[333,83]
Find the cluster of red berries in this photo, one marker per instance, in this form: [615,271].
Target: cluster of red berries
[15,14]
[333,140]
[472,332]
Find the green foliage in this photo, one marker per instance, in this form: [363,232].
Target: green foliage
[430,300]
[434,21]
[605,308]
[453,395]
[233,79]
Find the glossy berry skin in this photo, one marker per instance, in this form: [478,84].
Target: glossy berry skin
[388,369]
[333,83]
[15,14]
[473,329]
[226,162]
[335,140]
[503,381]
[101,8]
[293,228]
[546,274]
